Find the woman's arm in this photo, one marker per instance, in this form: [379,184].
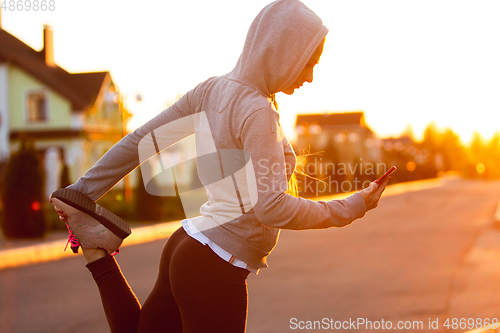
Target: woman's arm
[274,207]
[125,156]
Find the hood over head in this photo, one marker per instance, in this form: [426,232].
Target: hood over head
[279,43]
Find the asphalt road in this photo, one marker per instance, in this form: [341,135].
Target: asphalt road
[419,257]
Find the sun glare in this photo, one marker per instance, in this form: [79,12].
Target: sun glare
[480,168]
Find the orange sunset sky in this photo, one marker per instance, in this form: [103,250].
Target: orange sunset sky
[401,62]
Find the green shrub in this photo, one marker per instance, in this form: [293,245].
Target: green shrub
[64,179]
[23,195]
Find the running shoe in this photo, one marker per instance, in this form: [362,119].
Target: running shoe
[89,225]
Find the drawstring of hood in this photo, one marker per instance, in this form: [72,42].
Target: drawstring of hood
[274,103]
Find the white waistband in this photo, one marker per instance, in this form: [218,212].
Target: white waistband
[191,230]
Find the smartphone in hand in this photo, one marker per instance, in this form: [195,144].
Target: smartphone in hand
[385,175]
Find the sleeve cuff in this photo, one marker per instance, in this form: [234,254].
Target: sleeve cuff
[80,187]
[356,205]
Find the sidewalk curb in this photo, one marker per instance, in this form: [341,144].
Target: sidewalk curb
[394,189]
[39,253]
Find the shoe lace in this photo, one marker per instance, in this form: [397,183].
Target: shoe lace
[75,243]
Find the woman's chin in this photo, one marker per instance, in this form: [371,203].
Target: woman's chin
[288,91]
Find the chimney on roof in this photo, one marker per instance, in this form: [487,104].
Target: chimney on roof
[48,46]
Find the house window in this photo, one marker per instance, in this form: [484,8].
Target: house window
[36,106]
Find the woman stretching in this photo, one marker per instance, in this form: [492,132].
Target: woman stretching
[242,156]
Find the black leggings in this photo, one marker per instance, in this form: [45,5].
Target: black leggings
[196,291]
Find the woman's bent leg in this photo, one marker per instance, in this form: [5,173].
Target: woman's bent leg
[122,308]
[196,291]
[160,312]
[120,304]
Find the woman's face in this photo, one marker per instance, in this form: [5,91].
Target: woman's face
[307,73]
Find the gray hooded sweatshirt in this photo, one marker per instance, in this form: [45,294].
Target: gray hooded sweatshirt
[242,153]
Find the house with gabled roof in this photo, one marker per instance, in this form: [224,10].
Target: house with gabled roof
[73,118]
[339,138]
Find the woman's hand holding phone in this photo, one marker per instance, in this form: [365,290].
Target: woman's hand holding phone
[372,193]
[387,174]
